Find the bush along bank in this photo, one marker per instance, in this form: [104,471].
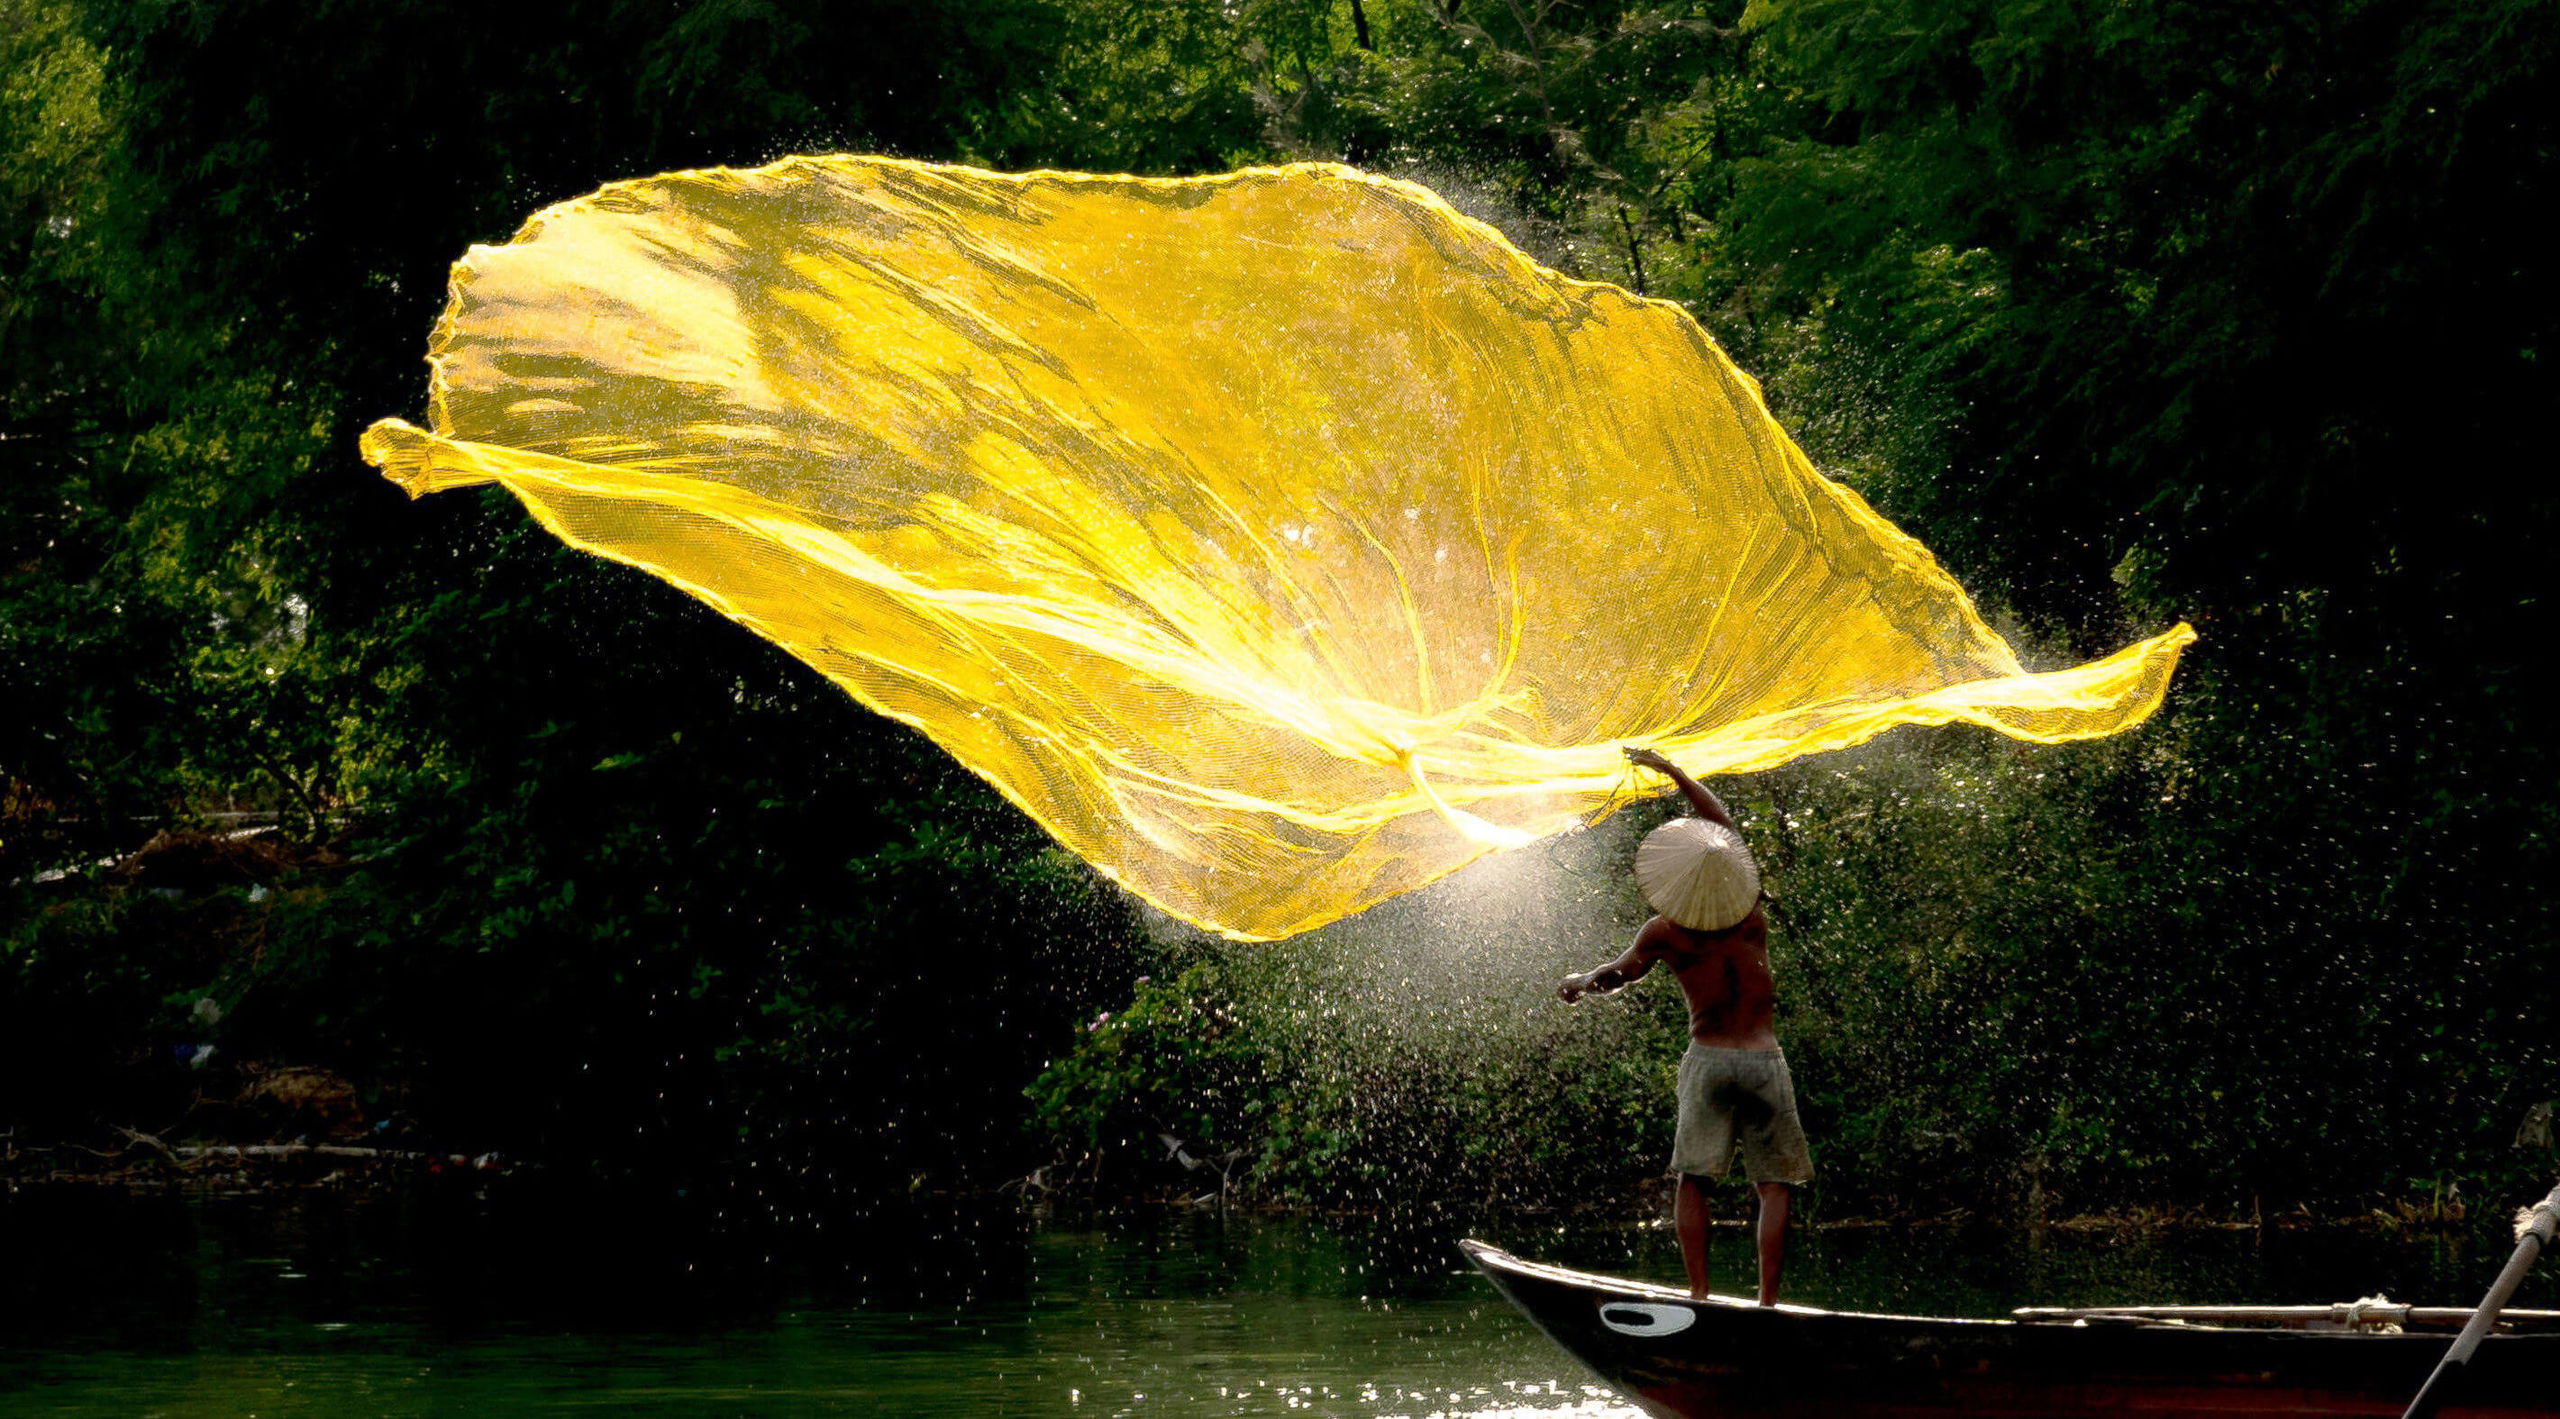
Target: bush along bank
[2028,984]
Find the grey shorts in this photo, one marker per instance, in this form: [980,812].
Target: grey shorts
[1741,1098]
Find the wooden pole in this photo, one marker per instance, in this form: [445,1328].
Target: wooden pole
[2536,1234]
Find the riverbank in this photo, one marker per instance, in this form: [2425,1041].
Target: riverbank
[218,990]
[287,1168]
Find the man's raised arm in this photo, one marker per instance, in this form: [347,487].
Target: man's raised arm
[1708,805]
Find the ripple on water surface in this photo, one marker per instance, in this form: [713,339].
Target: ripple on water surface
[321,1305]
[324,1305]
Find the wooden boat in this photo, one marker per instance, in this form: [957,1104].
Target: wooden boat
[1679,1358]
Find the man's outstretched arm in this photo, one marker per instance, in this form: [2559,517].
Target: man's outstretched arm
[1600,980]
[1708,805]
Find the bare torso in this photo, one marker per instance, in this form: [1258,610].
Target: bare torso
[1733,997]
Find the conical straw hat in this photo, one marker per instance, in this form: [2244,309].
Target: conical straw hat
[1698,873]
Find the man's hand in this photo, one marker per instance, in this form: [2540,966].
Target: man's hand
[1708,805]
[1608,978]
[1616,975]
[1644,758]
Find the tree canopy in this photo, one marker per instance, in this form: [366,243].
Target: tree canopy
[2132,313]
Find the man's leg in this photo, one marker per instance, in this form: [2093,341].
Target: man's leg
[1689,1219]
[1775,1200]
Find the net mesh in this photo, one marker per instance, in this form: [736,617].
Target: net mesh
[1280,541]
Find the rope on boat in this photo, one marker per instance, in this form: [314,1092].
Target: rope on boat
[2376,1312]
[2530,1240]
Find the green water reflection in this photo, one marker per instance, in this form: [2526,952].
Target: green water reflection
[323,1304]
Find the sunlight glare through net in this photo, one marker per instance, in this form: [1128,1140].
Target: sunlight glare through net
[1281,541]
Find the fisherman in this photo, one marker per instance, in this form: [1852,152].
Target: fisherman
[1734,1088]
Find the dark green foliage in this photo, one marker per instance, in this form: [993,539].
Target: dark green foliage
[2034,979]
[628,885]
[1174,1064]
[2231,313]
[1314,1077]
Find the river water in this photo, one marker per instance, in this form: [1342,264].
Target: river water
[455,1302]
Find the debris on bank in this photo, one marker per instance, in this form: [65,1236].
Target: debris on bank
[146,1161]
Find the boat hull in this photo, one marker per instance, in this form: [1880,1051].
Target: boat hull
[1680,1358]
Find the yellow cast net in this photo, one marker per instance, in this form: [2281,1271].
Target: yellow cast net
[1281,541]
